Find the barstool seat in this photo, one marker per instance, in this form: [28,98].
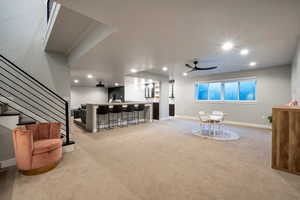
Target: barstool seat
[140,108]
[116,113]
[102,111]
[129,110]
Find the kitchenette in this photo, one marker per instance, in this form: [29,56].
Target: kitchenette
[140,100]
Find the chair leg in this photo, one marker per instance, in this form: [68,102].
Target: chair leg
[109,119]
[121,119]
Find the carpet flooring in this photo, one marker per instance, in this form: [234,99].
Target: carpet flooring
[158,161]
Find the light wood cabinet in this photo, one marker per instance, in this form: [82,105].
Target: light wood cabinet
[286,139]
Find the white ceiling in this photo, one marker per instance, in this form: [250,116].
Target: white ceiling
[157,33]
[67,30]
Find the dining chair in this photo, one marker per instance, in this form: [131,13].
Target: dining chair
[219,123]
[204,120]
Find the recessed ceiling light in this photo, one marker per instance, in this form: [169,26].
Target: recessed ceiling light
[116,84]
[133,70]
[244,52]
[76,81]
[227,46]
[90,76]
[164,68]
[185,74]
[252,64]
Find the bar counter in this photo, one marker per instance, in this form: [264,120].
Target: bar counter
[91,113]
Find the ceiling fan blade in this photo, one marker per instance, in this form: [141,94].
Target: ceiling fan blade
[189,66]
[207,68]
[192,70]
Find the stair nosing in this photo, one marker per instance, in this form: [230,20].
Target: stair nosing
[9,114]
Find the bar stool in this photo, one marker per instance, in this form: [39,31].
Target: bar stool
[129,110]
[102,111]
[140,108]
[117,115]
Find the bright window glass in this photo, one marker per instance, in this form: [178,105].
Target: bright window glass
[248,90]
[202,91]
[231,91]
[215,91]
[239,90]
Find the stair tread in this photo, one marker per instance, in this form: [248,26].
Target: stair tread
[26,121]
[10,113]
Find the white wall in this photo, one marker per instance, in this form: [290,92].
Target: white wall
[7,124]
[84,95]
[23,26]
[134,89]
[295,74]
[164,100]
[273,88]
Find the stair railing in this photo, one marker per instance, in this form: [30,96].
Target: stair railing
[37,101]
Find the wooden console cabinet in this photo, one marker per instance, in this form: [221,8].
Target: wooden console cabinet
[286,139]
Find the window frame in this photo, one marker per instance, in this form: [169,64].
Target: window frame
[222,81]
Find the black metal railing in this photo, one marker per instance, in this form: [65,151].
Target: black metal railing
[49,7]
[32,98]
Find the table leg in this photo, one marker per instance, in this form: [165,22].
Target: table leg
[214,129]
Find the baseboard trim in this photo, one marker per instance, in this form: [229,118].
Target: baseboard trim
[186,117]
[8,163]
[244,124]
[164,118]
[262,126]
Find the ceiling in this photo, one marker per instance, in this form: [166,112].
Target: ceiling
[157,33]
[68,28]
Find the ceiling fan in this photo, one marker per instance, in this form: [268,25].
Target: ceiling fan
[196,68]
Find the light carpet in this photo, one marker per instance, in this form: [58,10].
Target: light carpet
[159,161]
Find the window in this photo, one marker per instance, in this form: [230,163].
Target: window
[231,91]
[208,91]
[214,91]
[243,90]
[202,91]
[248,90]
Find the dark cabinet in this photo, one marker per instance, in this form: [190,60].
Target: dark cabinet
[155,111]
[172,110]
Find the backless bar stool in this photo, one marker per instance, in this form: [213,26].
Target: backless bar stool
[130,114]
[102,112]
[117,118]
[140,108]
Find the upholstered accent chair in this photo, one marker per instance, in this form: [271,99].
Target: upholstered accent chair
[38,147]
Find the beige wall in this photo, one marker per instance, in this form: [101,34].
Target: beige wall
[273,88]
[295,74]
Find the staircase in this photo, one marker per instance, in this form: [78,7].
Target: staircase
[24,96]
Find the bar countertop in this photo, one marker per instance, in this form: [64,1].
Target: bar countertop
[91,112]
[123,103]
